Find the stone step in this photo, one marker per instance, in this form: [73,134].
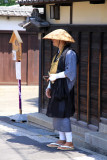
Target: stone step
[97,140]
[82,136]
[78,130]
[41,120]
[103,128]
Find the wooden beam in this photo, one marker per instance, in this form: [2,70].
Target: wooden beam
[88,78]
[43,2]
[97,1]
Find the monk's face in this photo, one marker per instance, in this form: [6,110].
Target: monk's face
[55,43]
[58,43]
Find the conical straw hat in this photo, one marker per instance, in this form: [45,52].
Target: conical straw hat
[59,34]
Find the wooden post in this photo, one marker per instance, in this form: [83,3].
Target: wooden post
[88,79]
[78,77]
[99,79]
[40,72]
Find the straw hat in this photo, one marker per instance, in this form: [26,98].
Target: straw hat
[59,34]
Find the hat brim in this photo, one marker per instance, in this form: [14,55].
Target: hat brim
[60,34]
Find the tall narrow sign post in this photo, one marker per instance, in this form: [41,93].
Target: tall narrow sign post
[20,101]
[17,56]
[18,77]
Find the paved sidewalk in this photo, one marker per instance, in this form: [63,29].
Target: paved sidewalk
[21,141]
[9,102]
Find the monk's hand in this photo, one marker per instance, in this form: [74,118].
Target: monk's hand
[48,92]
[53,77]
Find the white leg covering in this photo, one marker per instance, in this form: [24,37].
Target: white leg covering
[68,136]
[62,136]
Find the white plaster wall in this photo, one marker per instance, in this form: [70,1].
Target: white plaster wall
[86,13]
[64,15]
[11,23]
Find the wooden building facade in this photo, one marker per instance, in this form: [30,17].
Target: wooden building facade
[91,85]
[91,42]
[85,21]
[11,18]
[30,59]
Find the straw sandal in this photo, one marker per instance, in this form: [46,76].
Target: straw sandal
[53,145]
[62,147]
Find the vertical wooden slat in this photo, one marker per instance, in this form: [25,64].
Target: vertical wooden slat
[33,64]
[88,78]
[51,51]
[40,73]
[71,14]
[99,78]
[78,77]
[28,71]
[42,70]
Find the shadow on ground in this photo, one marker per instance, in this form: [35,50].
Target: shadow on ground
[33,101]
[40,147]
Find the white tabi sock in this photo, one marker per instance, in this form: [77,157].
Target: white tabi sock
[62,136]
[68,136]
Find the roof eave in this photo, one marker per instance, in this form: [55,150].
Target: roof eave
[43,3]
[27,3]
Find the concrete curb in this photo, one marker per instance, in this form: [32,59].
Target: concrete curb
[82,136]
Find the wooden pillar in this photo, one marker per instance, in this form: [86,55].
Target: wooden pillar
[88,78]
[28,63]
[78,77]
[99,79]
[40,72]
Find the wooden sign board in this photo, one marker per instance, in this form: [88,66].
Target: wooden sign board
[16,44]
[14,55]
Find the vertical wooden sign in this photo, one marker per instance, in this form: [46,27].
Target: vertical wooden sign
[17,56]
[16,44]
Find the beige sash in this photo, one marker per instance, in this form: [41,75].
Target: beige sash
[54,65]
